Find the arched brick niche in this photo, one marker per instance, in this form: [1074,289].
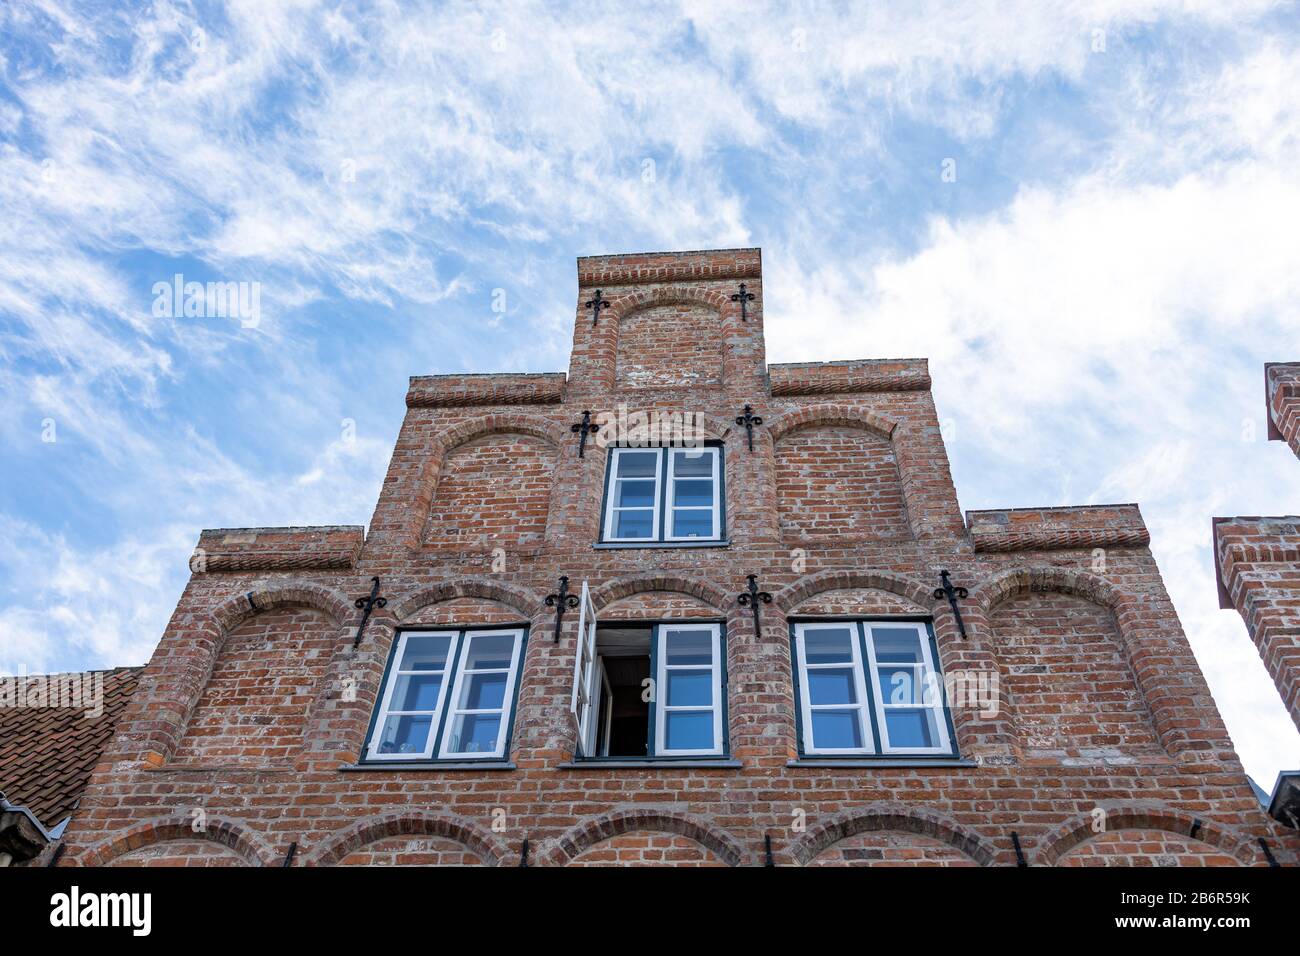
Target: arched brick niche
[475,611]
[1145,848]
[410,839]
[891,848]
[656,606]
[669,344]
[180,853]
[647,849]
[412,851]
[645,837]
[254,705]
[1067,676]
[867,602]
[173,841]
[839,479]
[493,490]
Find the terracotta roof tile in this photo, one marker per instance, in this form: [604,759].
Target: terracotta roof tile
[48,753]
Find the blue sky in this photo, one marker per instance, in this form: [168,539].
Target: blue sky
[1097,289]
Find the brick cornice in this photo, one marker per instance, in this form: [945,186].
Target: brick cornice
[1058,529]
[330,548]
[847,378]
[703,264]
[1251,540]
[459,391]
[1282,399]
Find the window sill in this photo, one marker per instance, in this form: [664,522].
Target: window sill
[642,545]
[877,762]
[429,765]
[653,763]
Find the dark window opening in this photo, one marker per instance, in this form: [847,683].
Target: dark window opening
[622,715]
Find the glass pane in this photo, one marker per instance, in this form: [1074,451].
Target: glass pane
[828,645]
[688,464]
[836,730]
[902,685]
[689,647]
[910,728]
[692,524]
[638,464]
[688,730]
[416,692]
[832,686]
[475,734]
[896,645]
[425,653]
[690,688]
[633,524]
[487,651]
[483,692]
[404,735]
[635,494]
[695,492]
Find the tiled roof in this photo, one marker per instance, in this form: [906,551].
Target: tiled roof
[48,753]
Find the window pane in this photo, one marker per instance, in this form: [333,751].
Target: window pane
[404,735]
[832,686]
[896,645]
[689,647]
[692,524]
[836,730]
[483,692]
[425,653]
[910,728]
[475,733]
[697,492]
[638,464]
[692,464]
[828,645]
[690,688]
[633,524]
[635,494]
[416,692]
[902,685]
[490,651]
[688,730]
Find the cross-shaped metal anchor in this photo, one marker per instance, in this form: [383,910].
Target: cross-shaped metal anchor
[952,594]
[596,303]
[752,598]
[366,605]
[561,602]
[742,297]
[582,429]
[749,420]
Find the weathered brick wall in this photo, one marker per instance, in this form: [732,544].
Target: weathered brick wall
[143,794]
[1145,848]
[1282,389]
[666,346]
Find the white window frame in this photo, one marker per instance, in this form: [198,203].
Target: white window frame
[938,711]
[806,705]
[661,689]
[507,701]
[393,678]
[670,513]
[611,494]
[584,672]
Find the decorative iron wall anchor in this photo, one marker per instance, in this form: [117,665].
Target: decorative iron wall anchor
[742,297]
[561,602]
[749,420]
[752,598]
[366,605]
[952,594]
[582,429]
[596,303]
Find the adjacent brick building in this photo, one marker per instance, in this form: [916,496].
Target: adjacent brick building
[453,733]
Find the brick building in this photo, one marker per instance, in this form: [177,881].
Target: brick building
[668,723]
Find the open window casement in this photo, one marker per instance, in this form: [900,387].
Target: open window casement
[584,676]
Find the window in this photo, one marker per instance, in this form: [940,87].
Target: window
[649,690]
[870,688]
[664,495]
[448,693]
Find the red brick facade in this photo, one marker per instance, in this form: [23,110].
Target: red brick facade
[245,732]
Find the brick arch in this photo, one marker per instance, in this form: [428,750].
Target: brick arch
[1078,830]
[889,816]
[1022,580]
[835,580]
[811,416]
[631,584]
[250,847]
[586,834]
[236,609]
[520,423]
[480,841]
[632,302]
[524,600]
